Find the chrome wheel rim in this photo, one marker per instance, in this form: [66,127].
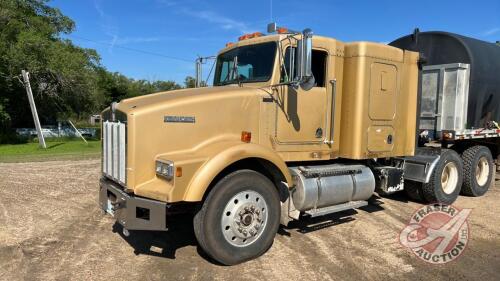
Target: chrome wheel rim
[244,218]
[449,178]
[482,171]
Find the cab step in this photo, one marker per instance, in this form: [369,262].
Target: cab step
[336,208]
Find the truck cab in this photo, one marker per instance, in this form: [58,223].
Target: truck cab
[295,124]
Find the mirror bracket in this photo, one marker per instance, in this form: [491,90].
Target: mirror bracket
[300,73]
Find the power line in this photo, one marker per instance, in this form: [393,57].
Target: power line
[133,49]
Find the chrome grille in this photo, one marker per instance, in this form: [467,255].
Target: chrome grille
[114,150]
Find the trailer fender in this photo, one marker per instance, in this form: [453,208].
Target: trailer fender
[226,155]
[419,168]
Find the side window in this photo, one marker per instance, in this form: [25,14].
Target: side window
[318,65]
[285,67]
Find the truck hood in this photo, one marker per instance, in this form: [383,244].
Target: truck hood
[215,115]
[146,103]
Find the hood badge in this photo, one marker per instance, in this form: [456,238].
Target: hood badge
[179,119]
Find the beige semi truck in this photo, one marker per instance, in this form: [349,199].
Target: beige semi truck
[294,126]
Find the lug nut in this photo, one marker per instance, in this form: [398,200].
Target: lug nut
[245,232]
[252,232]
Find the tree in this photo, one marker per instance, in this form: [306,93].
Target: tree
[62,73]
[190,82]
[67,80]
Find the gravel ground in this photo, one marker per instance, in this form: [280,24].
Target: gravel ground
[52,229]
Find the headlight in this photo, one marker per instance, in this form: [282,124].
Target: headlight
[165,169]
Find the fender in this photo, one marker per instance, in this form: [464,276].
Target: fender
[225,155]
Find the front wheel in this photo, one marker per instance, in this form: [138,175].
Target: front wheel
[239,218]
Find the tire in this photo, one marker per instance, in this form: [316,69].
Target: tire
[242,202]
[478,170]
[414,191]
[446,179]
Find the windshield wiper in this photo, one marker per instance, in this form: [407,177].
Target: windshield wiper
[233,73]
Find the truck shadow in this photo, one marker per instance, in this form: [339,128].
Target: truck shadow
[181,234]
[308,224]
[161,243]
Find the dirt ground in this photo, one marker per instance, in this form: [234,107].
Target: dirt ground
[52,229]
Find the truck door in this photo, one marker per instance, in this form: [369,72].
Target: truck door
[302,115]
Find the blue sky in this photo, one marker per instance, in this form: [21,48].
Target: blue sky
[185,29]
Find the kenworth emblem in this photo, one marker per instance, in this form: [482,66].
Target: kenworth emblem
[179,119]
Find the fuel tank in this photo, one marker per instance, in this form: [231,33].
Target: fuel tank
[328,185]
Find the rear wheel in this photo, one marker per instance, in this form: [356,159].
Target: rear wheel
[239,218]
[478,170]
[446,179]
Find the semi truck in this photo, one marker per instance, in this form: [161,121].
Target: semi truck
[298,125]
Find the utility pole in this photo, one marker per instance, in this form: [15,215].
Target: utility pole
[77,132]
[199,67]
[198,76]
[26,79]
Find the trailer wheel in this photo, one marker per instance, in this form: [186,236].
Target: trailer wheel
[239,218]
[446,179]
[414,190]
[478,170]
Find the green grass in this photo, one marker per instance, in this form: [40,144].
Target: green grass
[56,150]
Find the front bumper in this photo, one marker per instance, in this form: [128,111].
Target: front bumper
[132,212]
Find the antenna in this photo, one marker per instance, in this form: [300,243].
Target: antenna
[271,10]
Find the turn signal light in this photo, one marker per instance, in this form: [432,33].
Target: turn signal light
[229,44]
[246,136]
[249,36]
[178,172]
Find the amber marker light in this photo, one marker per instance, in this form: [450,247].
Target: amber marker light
[282,30]
[178,172]
[246,136]
[249,36]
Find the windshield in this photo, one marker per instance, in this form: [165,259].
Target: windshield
[255,64]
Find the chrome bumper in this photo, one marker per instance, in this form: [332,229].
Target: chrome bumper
[132,212]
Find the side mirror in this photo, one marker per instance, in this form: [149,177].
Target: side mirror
[303,67]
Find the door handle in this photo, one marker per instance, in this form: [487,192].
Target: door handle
[332,117]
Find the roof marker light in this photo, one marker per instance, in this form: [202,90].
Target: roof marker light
[249,36]
[282,30]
